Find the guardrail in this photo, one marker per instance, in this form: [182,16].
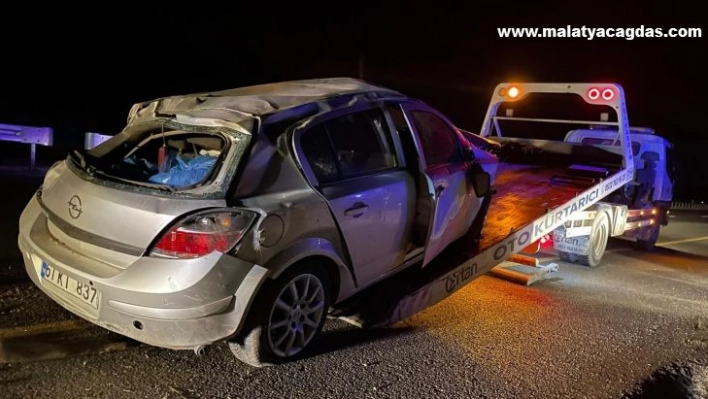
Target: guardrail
[29,135]
[689,206]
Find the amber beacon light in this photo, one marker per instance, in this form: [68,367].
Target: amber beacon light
[511,92]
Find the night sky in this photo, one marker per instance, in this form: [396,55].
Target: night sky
[81,69]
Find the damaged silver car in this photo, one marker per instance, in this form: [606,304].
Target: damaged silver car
[245,215]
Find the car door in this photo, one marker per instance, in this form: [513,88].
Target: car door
[357,170]
[454,203]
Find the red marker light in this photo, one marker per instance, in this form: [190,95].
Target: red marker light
[593,94]
[608,94]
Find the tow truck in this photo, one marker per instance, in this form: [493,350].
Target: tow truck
[637,212]
[562,189]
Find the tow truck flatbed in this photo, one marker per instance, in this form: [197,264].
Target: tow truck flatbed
[530,202]
[511,209]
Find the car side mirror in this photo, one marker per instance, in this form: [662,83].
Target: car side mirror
[481,183]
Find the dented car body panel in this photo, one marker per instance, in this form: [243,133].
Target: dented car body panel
[360,203]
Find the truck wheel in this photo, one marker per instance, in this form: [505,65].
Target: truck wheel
[567,256]
[650,243]
[598,241]
[289,315]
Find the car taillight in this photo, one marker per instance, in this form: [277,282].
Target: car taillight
[204,233]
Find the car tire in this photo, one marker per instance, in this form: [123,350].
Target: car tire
[286,319]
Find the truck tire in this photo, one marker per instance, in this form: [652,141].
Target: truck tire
[650,243]
[567,256]
[286,319]
[598,241]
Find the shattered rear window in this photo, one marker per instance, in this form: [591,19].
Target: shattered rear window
[177,160]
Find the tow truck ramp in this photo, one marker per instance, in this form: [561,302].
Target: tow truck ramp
[530,202]
[523,270]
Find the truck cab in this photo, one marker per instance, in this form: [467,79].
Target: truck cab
[654,166]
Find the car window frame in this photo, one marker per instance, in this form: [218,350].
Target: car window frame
[308,124]
[408,109]
[388,145]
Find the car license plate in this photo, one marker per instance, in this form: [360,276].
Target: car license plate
[85,292]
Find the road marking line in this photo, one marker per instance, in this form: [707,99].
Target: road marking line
[36,329]
[683,241]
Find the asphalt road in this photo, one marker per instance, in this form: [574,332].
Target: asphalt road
[580,333]
[687,233]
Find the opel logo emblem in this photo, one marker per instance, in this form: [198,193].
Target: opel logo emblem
[75,209]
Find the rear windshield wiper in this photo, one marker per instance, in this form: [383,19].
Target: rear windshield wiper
[80,157]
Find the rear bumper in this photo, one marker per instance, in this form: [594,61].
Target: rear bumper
[175,304]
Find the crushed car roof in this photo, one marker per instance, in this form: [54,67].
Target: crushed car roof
[237,104]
